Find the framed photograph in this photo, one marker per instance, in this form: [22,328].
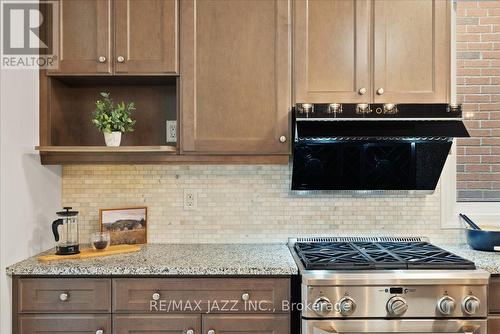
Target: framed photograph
[125,225]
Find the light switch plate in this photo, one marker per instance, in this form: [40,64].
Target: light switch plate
[171,131]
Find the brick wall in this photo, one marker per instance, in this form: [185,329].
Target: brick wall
[478,88]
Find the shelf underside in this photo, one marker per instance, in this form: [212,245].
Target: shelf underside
[65,155]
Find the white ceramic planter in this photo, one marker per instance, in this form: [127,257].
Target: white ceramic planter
[113,138]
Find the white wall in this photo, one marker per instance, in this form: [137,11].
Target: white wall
[30,193]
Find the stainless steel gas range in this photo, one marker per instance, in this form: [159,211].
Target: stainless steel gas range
[387,285]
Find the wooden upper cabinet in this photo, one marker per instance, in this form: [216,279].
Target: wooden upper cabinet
[356,51]
[137,37]
[412,51]
[84,36]
[332,51]
[235,76]
[146,36]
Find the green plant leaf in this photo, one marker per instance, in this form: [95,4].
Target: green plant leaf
[108,117]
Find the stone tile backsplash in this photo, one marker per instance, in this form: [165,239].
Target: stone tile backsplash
[242,204]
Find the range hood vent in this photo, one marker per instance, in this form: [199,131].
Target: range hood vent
[381,148]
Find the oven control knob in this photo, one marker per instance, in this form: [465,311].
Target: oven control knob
[471,305]
[322,306]
[397,306]
[446,305]
[345,306]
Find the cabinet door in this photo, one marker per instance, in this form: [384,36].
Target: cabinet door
[158,324]
[272,323]
[235,76]
[332,51]
[64,324]
[494,324]
[494,294]
[84,37]
[146,36]
[412,51]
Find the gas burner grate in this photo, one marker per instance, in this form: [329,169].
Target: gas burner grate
[323,253]
[360,239]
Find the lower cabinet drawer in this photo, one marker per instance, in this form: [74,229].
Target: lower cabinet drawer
[64,295]
[171,324]
[494,294]
[494,324]
[64,323]
[200,295]
[251,323]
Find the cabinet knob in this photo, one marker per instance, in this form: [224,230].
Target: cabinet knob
[245,296]
[362,91]
[156,296]
[211,331]
[64,296]
[120,59]
[102,59]
[282,139]
[190,331]
[380,91]
[99,331]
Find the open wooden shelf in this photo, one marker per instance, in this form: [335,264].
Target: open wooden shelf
[106,149]
[66,155]
[68,136]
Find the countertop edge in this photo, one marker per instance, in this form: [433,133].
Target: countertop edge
[171,260]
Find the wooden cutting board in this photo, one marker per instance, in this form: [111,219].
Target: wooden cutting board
[88,253]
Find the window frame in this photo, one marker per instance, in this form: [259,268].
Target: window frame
[450,207]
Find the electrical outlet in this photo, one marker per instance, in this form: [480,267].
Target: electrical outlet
[171,131]
[189,199]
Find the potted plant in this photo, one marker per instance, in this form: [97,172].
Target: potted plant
[113,120]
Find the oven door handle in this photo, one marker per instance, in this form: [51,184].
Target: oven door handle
[403,326]
[334,331]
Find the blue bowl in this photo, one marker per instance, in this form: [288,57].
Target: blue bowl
[483,240]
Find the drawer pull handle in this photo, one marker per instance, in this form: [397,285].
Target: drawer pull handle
[99,331]
[120,59]
[245,297]
[156,296]
[380,91]
[64,296]
[211,331]
[190,331]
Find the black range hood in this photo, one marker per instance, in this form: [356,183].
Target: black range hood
[373,147]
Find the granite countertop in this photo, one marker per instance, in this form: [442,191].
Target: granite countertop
[489,261]
[173,259]
[205,260]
